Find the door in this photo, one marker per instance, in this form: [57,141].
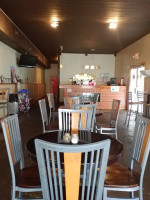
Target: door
[136,81]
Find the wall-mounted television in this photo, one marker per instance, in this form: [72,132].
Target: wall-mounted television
[27,61]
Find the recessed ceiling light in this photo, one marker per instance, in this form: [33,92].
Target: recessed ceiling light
[112,23]
[54,23]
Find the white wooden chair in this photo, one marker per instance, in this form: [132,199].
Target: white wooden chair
[142,97]
[111,128]
[47,125]
[52,111]
[132,108]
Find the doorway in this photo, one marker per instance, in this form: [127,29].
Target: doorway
[136,81]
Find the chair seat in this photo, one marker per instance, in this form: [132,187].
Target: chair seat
[28,177]
[99,114]
[55,113]
[2,101]
[62,106]
[105,126]
[52,127]
[118,176]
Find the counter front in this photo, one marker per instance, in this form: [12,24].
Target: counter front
[107,93]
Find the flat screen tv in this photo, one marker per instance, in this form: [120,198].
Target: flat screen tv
[27,61]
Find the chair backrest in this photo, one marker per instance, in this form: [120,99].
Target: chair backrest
[115,112]
[95,98]
[51,103]
[141,145]
[4,94]
[72,121]
[129,97]
[142,96]
[44,115]
[87,107]
[11,131]
[69,100]
[60,165]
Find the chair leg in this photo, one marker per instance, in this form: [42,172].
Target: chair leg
[132,194]
[105,194]
[129,117]
[141,193]
[3,112]
[13,194]
[126,117]
[20,195]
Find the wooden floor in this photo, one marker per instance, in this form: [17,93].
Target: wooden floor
[31,125]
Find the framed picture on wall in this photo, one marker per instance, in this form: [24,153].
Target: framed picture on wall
[104,77]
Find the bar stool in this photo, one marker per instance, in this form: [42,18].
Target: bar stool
[130,109]
[142,97]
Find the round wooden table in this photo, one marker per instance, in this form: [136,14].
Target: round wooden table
[116,147]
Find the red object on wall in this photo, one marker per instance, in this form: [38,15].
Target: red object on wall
[55,86]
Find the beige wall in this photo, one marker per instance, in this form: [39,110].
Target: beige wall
[8,58]
[49,74]
[124,59]
[74,64]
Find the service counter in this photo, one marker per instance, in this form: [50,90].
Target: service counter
[107,93]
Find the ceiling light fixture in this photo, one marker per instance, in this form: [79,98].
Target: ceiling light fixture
[112,23]
[54,23]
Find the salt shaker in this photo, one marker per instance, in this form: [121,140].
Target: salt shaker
[74,138]
[67,138]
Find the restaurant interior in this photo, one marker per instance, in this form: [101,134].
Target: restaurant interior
[74,99]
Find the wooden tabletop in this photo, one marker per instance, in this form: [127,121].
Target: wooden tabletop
[116,147]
